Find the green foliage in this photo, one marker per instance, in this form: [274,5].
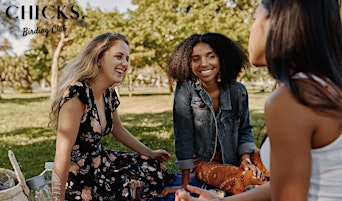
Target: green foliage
[157,27]
[15,73]
[96,22]
[39,63]
[52,39]
[154,29]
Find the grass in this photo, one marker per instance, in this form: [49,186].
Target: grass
[148,115]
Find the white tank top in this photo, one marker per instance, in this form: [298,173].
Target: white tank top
[326,174]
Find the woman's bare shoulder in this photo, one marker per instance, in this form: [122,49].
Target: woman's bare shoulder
[282,108]
[281,97]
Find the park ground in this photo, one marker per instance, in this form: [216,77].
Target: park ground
[147,114]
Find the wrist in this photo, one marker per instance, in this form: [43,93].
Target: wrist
[247,159]
[245,155]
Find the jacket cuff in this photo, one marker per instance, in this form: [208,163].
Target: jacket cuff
[185,164]
[247,148]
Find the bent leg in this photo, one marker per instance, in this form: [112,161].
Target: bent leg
[229,178]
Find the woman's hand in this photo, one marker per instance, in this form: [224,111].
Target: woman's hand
[182,195]
[247,164]
[167,190]
[160,155]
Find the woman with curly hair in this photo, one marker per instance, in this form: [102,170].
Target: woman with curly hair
[212,128]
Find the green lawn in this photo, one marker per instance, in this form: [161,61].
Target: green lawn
[148,115]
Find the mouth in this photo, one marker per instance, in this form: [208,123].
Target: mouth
[206,72]
[120,71]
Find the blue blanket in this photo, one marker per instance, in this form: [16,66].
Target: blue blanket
[177,182]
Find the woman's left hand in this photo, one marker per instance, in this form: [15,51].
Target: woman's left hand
[247,164]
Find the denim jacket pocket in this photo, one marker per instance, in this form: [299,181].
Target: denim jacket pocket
[198,103]
[231,123]
[201,112]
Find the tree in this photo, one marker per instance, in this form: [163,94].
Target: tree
[61,16]
[158,26]
[7,24]
[150,32]
[15,73]
[39,64]
[96,22]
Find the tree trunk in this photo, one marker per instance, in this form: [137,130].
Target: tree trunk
[54,66]
[170,83]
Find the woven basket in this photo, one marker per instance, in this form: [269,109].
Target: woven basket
[20,191]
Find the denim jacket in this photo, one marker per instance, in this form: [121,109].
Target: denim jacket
[197,129]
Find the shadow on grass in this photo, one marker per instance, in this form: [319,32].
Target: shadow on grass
[24,101]
[155,130]
[34,146]
[148,122]
[31,146]
[147,94]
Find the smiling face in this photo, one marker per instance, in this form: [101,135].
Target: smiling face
[114,63]
[258,37]
[205,63]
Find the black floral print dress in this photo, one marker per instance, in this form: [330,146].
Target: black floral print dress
[97,173]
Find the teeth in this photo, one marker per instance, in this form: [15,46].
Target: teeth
[206,72]
[120,71]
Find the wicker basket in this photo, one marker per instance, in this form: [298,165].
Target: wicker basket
[20,191]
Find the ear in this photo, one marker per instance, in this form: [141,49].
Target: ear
[99,62]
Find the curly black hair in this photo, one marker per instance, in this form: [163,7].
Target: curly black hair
[231,55]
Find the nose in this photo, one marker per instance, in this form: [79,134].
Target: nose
[204,62]
[125,63]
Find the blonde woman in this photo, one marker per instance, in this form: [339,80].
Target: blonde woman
[83,112]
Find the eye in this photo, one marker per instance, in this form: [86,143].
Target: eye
[195,59]
[118,57]
[212,56]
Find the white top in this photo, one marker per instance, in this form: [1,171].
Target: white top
[326,173]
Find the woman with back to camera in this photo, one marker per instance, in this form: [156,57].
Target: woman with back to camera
[300,41]
[212,129]
[84,111]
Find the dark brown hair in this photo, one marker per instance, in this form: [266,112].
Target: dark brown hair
[231,55]
[306,36]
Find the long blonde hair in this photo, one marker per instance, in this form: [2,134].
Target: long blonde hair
[82,67]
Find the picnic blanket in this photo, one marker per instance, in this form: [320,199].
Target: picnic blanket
[177,182]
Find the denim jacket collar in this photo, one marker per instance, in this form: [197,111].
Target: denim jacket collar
[225,99]
[197,128]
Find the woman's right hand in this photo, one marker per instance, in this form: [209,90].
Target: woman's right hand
[182,195]
[160,155]
[247,164]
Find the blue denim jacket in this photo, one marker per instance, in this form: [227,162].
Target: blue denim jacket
[197,129]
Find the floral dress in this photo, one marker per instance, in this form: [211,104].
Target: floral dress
[97,173]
